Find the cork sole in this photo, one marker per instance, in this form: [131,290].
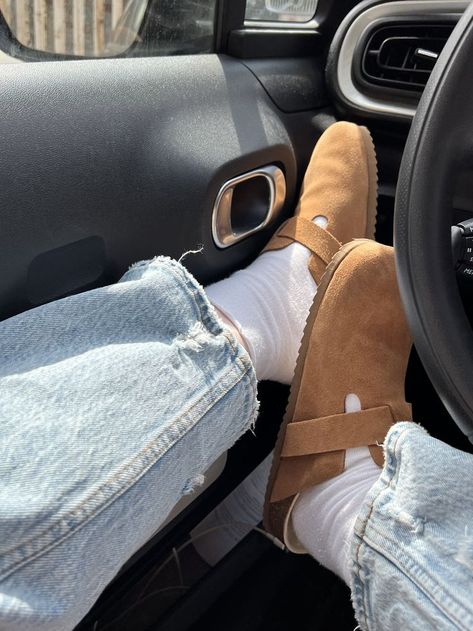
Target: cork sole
[372,183]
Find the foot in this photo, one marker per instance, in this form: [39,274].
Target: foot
[338,195]
[355,342]
[323,518]
[267,304]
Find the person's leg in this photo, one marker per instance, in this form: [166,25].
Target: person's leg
[356,346]
[113,404]
[267,303]
[412,551]
[400,535]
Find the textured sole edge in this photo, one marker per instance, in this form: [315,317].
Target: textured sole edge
[372,210]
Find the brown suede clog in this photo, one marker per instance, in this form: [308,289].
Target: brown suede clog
[356,340]
[340,184]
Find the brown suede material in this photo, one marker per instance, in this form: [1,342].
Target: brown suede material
[340,184]
[320,242]
[377,454]
[330,433]
[316,239]
[317,268]
[357,341]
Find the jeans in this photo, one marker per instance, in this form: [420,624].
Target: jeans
[412,553]
[112,405]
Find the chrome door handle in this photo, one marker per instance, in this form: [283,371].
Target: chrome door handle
[246,204]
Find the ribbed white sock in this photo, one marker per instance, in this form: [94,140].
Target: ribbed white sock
[324,516]
[268,303]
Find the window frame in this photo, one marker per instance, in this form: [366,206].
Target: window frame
[313,23]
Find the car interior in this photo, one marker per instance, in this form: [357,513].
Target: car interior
[189,132]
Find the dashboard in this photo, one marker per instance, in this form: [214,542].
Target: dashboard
[383,53]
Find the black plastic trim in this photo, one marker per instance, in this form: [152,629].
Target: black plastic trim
[344,106]
[295,84]
[380,91]
[212,587]
[248,43]
[230,16]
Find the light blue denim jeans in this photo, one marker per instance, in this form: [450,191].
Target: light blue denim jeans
[112,405]
[412,552]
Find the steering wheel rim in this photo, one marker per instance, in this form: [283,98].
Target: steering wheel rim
[440,143]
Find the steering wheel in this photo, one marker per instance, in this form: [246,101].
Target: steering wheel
[439,147]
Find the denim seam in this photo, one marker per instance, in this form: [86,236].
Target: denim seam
[207,311]
[410,568]
[413,570]
[242,357]
[254,404]
[79,512]
[250,374]
[187,284]
[197,292]
[360,600]
[184,280]
[203,308]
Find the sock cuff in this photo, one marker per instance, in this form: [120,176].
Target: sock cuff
[248,345]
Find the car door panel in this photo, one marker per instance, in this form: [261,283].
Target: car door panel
[112,161]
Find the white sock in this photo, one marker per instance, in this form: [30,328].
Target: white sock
[268,303]
[324,516]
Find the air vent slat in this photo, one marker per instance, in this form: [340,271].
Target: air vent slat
[391,56]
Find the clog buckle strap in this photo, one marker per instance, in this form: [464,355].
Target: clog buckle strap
[320,242]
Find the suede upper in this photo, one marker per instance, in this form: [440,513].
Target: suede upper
[340,184]
[355,340]
[359,343]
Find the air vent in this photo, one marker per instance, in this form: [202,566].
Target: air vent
[402,56]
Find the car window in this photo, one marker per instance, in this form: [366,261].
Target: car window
[43,29]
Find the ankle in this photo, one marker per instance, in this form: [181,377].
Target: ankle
[324,516]
[234,329]
[266,306]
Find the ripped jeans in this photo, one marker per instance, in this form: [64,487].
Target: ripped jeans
[112,405]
